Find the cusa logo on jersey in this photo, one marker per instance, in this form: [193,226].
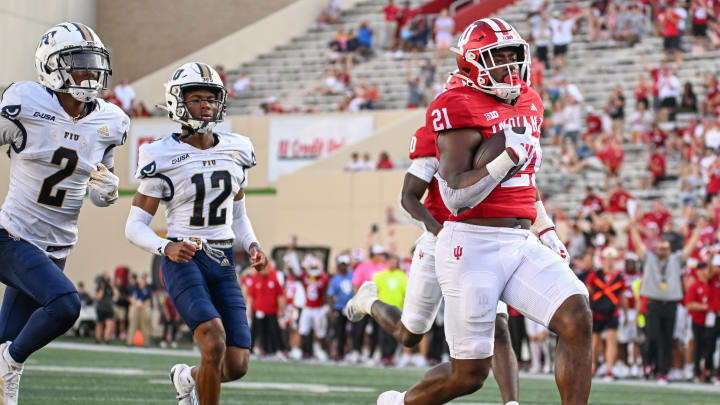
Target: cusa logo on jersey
[44,116]
[180,158]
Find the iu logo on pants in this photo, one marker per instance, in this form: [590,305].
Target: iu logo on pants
[458,251]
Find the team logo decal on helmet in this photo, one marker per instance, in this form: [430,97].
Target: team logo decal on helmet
[69,48]
[193,76]
[475,61]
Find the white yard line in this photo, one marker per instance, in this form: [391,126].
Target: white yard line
[314,388]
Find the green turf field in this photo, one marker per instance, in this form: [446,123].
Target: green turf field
[68,373]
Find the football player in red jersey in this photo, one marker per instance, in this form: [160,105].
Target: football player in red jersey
[487,250]
[423,296]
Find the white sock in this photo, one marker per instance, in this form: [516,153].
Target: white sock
[512,403]
[400,400]
[535,354]
[545,345]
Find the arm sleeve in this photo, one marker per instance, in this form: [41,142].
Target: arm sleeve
[138,232]
[424,168]
[242,227]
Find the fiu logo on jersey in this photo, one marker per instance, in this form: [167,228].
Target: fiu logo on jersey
[492,115]
[44,116]
[104,130]
[10,111]
[148,170]
[180,158]
[208,162]
[457,252]
[71,136]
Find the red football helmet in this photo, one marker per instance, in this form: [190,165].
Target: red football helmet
[474,58]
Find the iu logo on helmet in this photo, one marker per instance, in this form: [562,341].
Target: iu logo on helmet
[458,251]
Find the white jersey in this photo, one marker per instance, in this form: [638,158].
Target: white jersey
[51,157]
[197,186]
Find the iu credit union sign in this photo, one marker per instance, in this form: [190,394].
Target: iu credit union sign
[296,142]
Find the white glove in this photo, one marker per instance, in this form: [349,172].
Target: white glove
[550,239]
[521,145]
[104,183]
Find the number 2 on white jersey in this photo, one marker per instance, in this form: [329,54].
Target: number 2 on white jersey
[441,122]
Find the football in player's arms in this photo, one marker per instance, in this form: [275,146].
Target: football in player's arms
[492,147]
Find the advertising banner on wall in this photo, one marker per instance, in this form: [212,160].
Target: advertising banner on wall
[146,130]
[296,142]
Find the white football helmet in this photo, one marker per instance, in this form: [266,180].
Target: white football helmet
[192,76]
[68,48]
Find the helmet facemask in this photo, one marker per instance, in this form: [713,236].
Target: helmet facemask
[93,61]
[181,113]
[483,60]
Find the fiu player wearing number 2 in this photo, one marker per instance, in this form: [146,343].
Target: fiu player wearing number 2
[199,175]
[61,143]
[486,250]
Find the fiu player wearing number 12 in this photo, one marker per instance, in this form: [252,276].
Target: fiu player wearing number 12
[61,142]
[200,175]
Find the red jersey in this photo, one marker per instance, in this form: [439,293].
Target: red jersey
[612,157]
[715,294]
[661,218]
[593,203]
[465,107]
[315,290]
[424,144]
[593,124]
[628,291]
[702,293]
[618,201]
[265,292]
[657,160]
[391,12]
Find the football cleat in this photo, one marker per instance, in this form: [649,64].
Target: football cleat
[184,388]
[10,373]
[360,304]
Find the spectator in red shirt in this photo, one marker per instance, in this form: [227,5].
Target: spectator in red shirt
[611,156]
[593,123]
[621,201]
[669,20]
[391,12]
[659,215]
[592,203]
[713,185]
[699,300]
[266,298]
[384,162]
[656,165]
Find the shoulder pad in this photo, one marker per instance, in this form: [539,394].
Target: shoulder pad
[423,143]
[240,146]
[151,153]
[456,108]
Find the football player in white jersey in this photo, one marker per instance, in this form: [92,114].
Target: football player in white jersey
[199,175]
[61,140]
